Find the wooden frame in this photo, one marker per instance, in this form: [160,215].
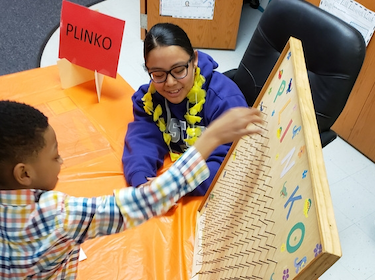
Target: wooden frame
[268,213]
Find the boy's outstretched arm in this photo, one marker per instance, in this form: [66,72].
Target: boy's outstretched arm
[189,170]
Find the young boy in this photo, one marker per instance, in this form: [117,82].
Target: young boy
[41,230]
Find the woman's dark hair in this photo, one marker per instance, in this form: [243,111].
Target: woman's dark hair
[166,34]
[22,130]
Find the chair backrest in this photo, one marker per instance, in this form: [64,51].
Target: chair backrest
[334,52]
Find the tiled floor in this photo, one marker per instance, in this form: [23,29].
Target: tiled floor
[350,174]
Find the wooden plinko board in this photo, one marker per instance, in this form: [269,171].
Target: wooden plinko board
[268,213]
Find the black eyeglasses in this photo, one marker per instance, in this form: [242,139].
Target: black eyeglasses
[178,72]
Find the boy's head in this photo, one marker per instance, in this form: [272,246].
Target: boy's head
[28,149]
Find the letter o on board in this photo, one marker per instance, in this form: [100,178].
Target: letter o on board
[292,248]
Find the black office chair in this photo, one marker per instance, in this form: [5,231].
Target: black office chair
[334,52]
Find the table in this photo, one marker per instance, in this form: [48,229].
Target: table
[90,137]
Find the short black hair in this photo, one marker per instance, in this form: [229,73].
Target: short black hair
[22,130]
[164,35]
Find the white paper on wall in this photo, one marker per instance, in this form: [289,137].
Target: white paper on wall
[194,9]
[352,13]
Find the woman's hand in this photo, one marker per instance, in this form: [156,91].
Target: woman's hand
[149,181]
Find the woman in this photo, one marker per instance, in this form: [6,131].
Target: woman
[184,96]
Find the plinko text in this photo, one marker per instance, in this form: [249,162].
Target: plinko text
[88,36]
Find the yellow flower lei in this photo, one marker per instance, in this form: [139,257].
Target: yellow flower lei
[195,96]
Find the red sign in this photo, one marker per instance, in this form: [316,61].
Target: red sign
[90,39]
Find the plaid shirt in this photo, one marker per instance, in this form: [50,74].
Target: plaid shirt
[41,231]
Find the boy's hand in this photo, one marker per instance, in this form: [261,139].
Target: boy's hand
[229,127]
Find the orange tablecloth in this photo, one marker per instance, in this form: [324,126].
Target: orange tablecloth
[90,136]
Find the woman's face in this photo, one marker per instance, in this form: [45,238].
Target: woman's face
[166,58]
